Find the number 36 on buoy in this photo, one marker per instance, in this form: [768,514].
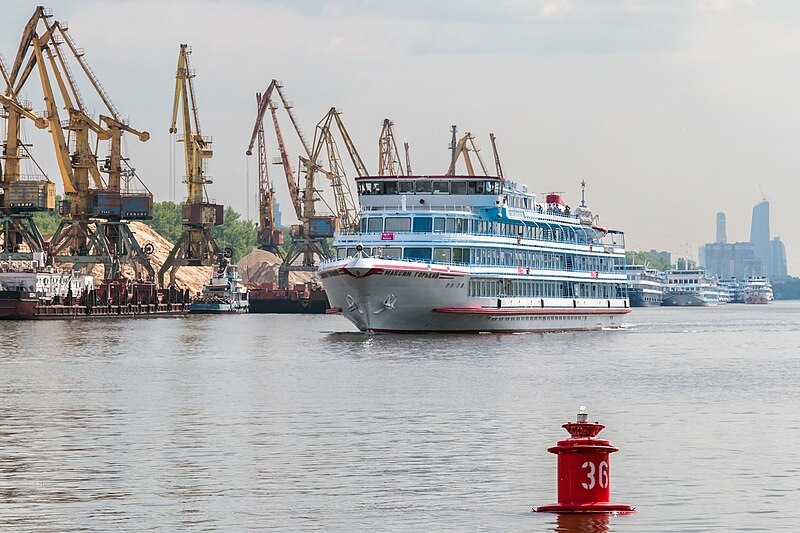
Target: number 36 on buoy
[583,471]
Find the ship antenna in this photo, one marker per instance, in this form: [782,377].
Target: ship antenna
[583,193]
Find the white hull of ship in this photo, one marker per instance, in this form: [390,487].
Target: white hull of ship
[381,296]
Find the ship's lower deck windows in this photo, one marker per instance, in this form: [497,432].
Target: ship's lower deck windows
[513,288]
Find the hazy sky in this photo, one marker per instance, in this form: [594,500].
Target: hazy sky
[671,111]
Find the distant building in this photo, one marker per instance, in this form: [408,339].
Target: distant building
[759,234]
[722,231]
[778,259]
[734,260]
[760,257]
[278,214]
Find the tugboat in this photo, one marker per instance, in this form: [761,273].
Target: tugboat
[224,293]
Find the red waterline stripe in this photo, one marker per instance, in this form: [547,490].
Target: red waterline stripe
[528,311]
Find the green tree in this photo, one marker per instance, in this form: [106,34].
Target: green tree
[47,222]
[166,220]
[647,258]
[239,235]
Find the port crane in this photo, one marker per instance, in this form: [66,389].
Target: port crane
[388,155]
[310,236]
[462,149]
[196,246]
[94,227]
[20,199]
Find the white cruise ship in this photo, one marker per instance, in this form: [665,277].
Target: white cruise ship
[757,291]
[474,254]
[645,286]
[689,288]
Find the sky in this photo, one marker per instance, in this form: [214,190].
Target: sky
[670,110]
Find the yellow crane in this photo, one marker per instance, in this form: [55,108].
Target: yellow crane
[94,228]
[462,148]
[195,246]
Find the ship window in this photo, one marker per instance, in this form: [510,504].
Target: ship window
[375,224]
[458,255]
[450,225]
[389,252]
[422,224]
[398,224]
[406,186]
[438,225]
[443,254]
[340,253]
[351,252]
[418,253]
[390,187]
[461,225]
[363,225]
[423,186]
[458,187]
[370,187]
[441,187]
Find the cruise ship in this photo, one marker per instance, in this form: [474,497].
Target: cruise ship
[474,254]
[689,288]
[645,286]
[757,291]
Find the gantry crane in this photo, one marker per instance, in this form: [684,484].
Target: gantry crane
[94,227]
[195,246]
[388,154]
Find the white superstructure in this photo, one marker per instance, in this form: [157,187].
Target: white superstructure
[469,253]
[689,288]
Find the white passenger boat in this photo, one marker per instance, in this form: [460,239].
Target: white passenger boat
[474,254]
[757,291]
[689,288]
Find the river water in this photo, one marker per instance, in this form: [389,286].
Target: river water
[299,423]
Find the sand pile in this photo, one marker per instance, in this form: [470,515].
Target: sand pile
[192,278]
[260,267]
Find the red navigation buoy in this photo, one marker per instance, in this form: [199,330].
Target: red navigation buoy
[584,480]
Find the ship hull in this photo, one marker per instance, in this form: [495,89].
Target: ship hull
[685,300]
[640,299]
[405,297]
[288,302]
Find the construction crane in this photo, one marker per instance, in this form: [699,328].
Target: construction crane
[309,237]
[195,246]
[270,237]
[344,205]
[388,154]
[497,165]
[462,149]
[94,228]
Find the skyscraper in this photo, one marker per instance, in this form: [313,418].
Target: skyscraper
[722,232]
[778,258]
[759,235]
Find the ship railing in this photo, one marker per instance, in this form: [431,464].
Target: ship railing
[422,208]
[525,268]
[606,244]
